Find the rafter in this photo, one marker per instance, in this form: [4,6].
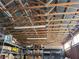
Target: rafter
[55,20]
[6,12]
[9,3]
[50,14]
[58,4]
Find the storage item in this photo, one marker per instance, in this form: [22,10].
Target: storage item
[11,56]
[29,57]
[14,49]
[6,56]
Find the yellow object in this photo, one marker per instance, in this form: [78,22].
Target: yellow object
[15,49]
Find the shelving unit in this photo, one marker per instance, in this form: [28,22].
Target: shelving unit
[53,54]
[10,49]
[46,53]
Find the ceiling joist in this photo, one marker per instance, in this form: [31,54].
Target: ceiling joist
[55,13]
[58,4]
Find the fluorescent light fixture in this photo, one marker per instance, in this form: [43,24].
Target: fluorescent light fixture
[27,27]
[35,38]
[29,46]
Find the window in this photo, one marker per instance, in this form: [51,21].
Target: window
[67,45]
[75,40]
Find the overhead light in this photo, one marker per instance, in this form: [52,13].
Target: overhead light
[27,27]
[29,46]
[36,38]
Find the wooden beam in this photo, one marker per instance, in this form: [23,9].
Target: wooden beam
[50,5]
[50,14]
[40,2]
[65,13]
[32,33]
[40,32]
[58,4]
[9,3]
[70,19]
[45,42]
[16,34]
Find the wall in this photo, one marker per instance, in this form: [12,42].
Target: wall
[73,53]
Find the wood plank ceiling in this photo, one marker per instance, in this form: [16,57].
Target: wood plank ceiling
[48,21]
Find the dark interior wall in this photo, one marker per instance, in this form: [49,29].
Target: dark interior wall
[73,53]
